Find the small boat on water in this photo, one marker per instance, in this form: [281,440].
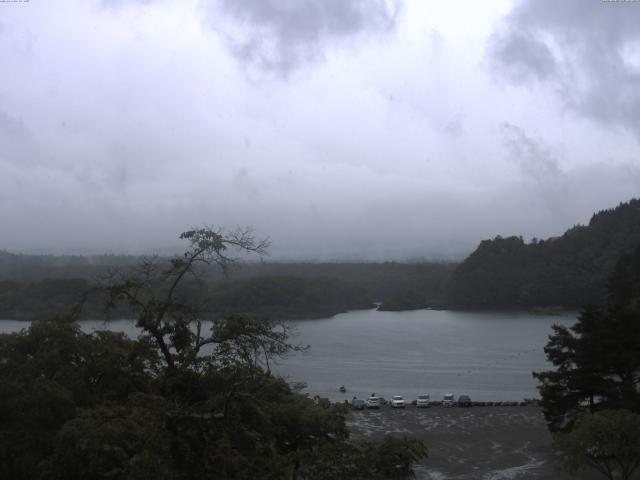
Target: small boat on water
[342,389]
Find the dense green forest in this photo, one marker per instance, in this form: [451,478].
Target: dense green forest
[284,297]
[31,286]
[567,271]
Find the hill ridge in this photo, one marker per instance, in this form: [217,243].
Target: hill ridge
[568,271]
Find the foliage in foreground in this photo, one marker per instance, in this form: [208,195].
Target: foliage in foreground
[182,401]
[75,405]
[607,441]
[597,360]
[592,400]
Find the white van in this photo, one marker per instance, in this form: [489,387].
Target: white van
[448,400]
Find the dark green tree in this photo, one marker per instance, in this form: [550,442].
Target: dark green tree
[390,459]
[52,372]
[119,442]
[167,317]
[606,441]
[597,360]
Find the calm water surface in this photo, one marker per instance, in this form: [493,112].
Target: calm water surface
[488,356]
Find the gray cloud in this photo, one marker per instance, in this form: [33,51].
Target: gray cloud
[123,3]
[128,121]
[12,128]
[16,141]
[280,36]
[454,127]
[589,51]
[536,161]
[523,57]
[543,180]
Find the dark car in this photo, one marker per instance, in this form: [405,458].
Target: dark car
[464,401]
[357,404]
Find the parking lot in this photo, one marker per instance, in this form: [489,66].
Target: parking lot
[475,443]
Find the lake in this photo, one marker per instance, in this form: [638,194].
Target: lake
[486,355]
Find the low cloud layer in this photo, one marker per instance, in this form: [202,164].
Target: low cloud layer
[342,130]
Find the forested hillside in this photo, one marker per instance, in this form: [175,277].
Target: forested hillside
[567,271]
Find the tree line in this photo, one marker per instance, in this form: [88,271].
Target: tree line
[285,297]
[288,290]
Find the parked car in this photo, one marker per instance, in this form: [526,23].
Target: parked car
[373,402]
[423,401]
[464,401]
[397,401]
[448,400]
[357,404]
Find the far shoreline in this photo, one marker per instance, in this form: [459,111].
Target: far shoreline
[327,314]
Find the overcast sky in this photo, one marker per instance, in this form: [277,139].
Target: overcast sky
[342,129]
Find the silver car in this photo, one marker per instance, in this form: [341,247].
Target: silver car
[373,402]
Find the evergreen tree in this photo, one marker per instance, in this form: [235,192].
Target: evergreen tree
[597,360]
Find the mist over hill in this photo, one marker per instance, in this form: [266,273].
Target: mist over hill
[506,272]
[32,287]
